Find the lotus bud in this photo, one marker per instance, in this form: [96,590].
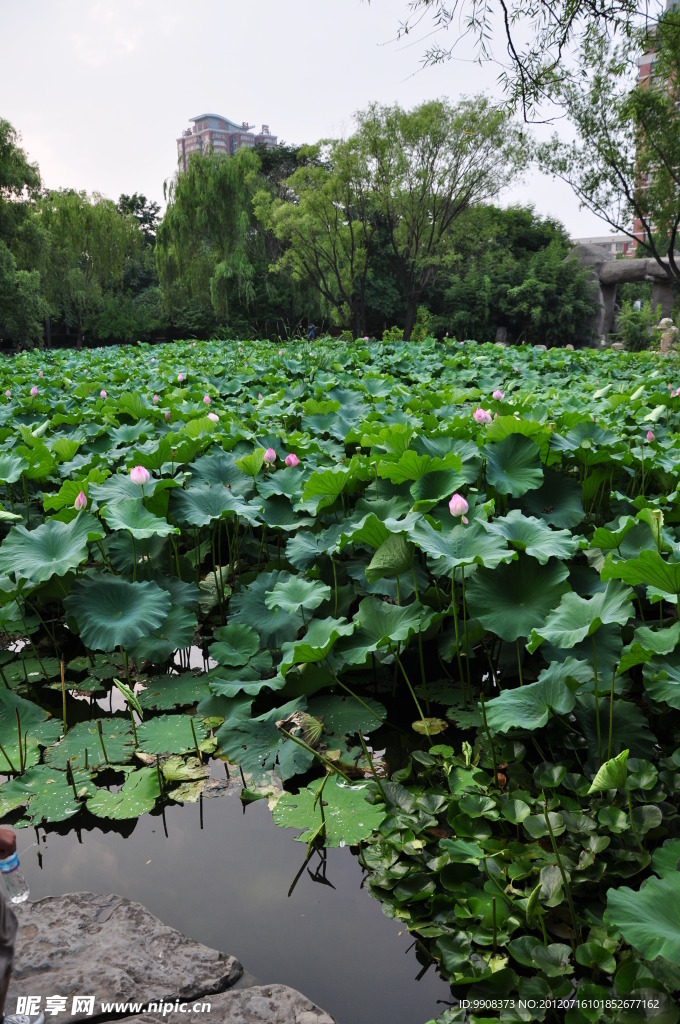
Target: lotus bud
[102,394]
[458,506]
[292,460]
[34,391]
[206,399]
[81,502]
[270,456]
[481,415]
[214,417]
[140,475]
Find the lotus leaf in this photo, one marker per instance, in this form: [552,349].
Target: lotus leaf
[112,612]
[116,739]
[514,465]
[131,515]
[515,598]
[576,617]
[165,692]
[236,644]
[348,817]
[51,549]
[170,734]
[648,918]
[291,594]
[136,796]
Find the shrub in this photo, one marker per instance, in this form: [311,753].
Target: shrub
[635,326]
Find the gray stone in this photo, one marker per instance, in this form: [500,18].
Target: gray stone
[262,1004]
[113,949]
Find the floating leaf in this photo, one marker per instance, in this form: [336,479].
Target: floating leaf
[136,796]
[349,819]
[112,612]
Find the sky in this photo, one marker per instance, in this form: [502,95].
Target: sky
[100,91]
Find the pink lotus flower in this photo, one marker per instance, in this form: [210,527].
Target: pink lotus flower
[81,502]
[214,417]
[168,415]
[270,456]
[259,395]
[292,460]
[34,391]
[40,373]
[458,506]
[365,337]
[140,475]
[155,399]
[498,395]
[206,399]
[650,435]
[180,377]
[8,394]
[481,415]
[280,351]
[102,394]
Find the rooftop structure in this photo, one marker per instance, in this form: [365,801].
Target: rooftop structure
[217,134]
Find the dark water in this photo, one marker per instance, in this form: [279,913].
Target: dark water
[224,881]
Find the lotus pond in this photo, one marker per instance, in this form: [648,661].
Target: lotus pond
[435,593]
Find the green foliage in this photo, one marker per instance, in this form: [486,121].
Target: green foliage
[635,325]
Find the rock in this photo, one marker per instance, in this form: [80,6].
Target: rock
[569,348]
[116,951]
[262,1004]
[113,949]
[540,348]
[618,346]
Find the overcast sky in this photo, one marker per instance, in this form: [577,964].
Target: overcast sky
[101,90]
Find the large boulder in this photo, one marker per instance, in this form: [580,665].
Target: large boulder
[116,951]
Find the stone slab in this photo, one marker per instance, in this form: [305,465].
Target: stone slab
[261,1004]
[84,944]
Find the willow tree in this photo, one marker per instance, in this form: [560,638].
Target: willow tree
[425,168]
[325,219]
[204,243]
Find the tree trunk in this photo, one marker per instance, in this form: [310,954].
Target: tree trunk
[411,311]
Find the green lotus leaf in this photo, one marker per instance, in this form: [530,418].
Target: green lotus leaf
[326,485]
[116,740]
[54,548]
[648,642]
[47,794]
[530,706]
[607,538]
[257,745]
[557,501]
[648,568]
[120,487]
[165,692]
[136,796]
[344,716]
[184,769]
[170,734]
[175,633]
[236,644]
[648,919]
[349,818]
[381,625]
[297,592]
[514,599]
[305,548]
[253,463]
[111,612]
[461,546]
[576,617]
[18,715]
[316,644]
[131,515]
[662,680]
[11,467]
[200,505]
[393,557]
[275,626]
[611,775]
[533,536]
[666,859]
[243,680]
[513,466]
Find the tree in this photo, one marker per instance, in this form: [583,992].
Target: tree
[21,242]
[544,42]
[325,219]
[510,268]
[203,241]
[90,244]
[427,167]
[625,164]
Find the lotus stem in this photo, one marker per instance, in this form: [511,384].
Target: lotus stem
[63,697]
[455,627]
[324,760]
[413,694]
[134,558]
[375,775]
[196,746]
[356,697]
[565,881]
[519,662]
[490,739]
[6,757]
[22,762]
[598,724]
[28,507]
[159,773]
[335,587]
[632,823]
[495,924]
[69,778]
[101,740]
[611,716]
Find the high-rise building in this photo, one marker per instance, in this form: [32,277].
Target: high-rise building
[217,134]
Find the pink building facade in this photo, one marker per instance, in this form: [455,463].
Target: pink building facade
[213,133]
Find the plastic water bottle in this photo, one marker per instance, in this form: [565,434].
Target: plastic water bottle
[13,879]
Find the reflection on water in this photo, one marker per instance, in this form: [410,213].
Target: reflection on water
[222,875]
